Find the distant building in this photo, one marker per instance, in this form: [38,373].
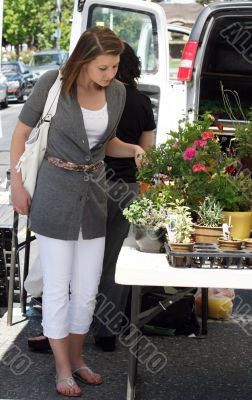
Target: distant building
[181,13]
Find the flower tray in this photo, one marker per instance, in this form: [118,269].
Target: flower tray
[209,256]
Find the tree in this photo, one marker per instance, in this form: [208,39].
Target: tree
[29,21]
[67,7]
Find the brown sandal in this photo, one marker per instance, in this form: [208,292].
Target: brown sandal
[76,375]
[70,383]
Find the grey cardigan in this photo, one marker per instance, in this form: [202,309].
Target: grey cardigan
[66,202]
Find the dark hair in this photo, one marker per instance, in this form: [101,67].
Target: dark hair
[93,42]
[129,69]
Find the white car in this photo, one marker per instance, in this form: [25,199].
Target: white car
[3,91]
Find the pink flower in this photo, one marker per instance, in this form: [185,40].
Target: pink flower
[200,143]
[207,135]
[189,153]
[199,168]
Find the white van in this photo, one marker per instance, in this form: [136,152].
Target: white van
[143,25]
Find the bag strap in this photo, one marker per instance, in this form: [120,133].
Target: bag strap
[52,100]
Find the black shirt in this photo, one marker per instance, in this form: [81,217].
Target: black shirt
[137,117]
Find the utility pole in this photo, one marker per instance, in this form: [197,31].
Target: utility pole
[58,31]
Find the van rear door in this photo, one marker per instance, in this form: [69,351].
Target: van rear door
[143,26]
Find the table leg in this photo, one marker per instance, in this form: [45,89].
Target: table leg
[12,269]
[204,310]
[132,366]
[23,296]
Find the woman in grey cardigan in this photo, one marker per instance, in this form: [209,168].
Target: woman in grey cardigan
[68,209]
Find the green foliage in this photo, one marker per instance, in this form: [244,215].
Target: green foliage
[146,212]
[29,21]
[65,25]
[181,224]
[193,166]
[34,22]
[243,138]
[234,193]
[209,213]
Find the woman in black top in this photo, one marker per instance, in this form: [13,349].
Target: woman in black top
[135,127]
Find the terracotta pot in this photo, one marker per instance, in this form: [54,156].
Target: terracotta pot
[241,223]
[230,245]
[205,234]
[183,261]
[248,245]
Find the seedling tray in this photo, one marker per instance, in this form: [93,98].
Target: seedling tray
[209,256]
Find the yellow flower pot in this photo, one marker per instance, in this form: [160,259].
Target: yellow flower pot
[241,222]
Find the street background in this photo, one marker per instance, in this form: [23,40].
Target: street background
[217,366]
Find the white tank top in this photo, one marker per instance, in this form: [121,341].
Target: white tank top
[95,124]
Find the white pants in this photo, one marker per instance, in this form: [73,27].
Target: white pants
[75,263]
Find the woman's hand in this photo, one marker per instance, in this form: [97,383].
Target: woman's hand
[21,200]
[139,152]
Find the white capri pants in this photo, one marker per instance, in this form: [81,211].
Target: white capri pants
[77,263]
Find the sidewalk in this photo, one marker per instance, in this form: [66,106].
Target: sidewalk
[216,367]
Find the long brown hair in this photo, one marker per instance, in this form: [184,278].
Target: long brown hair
[92,43]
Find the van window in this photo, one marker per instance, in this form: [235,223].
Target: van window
[136,28]
[177,41]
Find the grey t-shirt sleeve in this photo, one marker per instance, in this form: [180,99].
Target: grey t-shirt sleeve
[34,106]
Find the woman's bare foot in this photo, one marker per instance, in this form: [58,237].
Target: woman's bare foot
[67,387]
[86,375]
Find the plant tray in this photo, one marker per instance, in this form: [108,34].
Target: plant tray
[209,256]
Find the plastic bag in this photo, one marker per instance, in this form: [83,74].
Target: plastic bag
[220,303]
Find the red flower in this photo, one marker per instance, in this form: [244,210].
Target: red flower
[189,153]
[207,135]
[200,143]
[220,126]
[231,170]
[199,168]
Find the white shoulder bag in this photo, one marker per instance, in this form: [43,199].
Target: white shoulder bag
[35,146]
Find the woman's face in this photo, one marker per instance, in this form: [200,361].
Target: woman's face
[102,69]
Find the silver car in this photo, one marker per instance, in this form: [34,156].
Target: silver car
[3,91]
[43,61]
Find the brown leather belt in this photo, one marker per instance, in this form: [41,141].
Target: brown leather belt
[89,168]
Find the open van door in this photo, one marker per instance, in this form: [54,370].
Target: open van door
[143,26]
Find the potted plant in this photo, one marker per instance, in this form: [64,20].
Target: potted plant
[148,219]
[209,221]
[233,190]
[180,227]
[192,161]
[243,142]
[227,243]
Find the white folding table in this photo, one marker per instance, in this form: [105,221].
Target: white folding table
[137,269]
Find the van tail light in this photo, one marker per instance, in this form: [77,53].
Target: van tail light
[187,61]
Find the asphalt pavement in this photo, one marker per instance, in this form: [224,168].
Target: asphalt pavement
[216,366]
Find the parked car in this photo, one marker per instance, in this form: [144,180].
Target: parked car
[43,61]
[3,91]
[19,79]
[217,63]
